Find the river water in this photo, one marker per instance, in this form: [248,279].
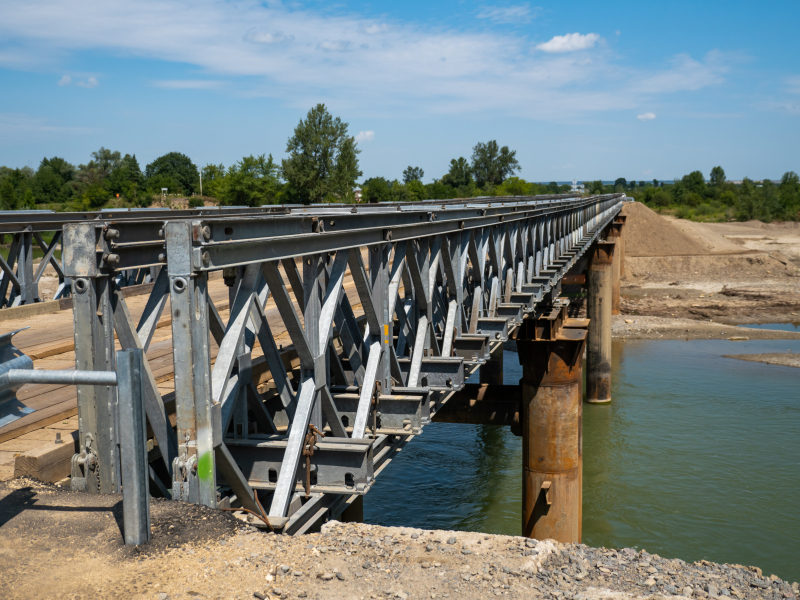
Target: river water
[698,456]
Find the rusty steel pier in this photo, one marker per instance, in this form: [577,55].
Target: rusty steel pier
[388,308]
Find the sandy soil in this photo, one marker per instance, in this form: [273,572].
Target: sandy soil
[58,544]
[731,273]
[775,358]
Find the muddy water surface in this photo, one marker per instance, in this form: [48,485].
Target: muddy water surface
[698,456]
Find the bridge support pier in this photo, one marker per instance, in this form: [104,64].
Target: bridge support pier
[552,430]
[598,309]
[492,370]
[615,235]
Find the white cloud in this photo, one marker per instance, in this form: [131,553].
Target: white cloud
[648,116]
[793,83]
[90,83]
[187,84]
[335,45]
[569,43]
[65,80]
[521,13]
[403,71]
[376,28]
[262,37]
[365,136]
[647,172]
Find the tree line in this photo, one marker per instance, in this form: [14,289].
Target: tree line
[717,199]
[321,166]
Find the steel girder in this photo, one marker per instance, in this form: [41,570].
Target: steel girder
[437,283]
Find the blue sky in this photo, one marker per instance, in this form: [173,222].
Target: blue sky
[581,90]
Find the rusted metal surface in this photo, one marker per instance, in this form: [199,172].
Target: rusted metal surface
[577,279]
[620,219]
[615,234]
[552,414]
[598,308]
[483,404]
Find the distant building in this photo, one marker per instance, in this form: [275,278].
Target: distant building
[357,194]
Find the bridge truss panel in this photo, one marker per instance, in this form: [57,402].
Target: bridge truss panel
[436,284]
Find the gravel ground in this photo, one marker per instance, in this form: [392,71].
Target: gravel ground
[366,561]
[58,544]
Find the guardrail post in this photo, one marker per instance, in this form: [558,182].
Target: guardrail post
[133,448]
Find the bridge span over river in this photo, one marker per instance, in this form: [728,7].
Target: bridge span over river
[334,335]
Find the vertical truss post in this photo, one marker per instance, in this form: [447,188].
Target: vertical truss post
[313,290]
[93,322]
[194,472]
[379,286]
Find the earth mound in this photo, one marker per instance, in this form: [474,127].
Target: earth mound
[649,234]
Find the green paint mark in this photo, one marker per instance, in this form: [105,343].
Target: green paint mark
[205,466]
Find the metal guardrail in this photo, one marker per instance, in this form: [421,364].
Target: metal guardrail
[133,467]
[439,283]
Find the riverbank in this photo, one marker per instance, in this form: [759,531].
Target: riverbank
[58,544]
[773,358]
[645,327]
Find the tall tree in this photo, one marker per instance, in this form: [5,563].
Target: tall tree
[413,174]
[460,173]
[492,164]
[323,158]
[717,176]
[176,167]
[621,181]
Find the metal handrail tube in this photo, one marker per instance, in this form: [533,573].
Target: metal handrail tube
[71,377]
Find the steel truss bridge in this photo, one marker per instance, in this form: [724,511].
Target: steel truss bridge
[298,433]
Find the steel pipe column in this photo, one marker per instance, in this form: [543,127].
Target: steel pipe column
[615,234]
[598,309]
[552,447]
[620,220]
[492,369]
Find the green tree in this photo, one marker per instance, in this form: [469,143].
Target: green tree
[177,167]
[127,178]
[596,187]
[460,173]
[252,181]
[717,176]
[438,190]
[416,190]
[413,174]
[695,182]
[376,189]
[52,180]
[214,180]
[621,182]
[513,186]
[323,158]
[492,164]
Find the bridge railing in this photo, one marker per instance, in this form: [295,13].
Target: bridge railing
[436,286]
